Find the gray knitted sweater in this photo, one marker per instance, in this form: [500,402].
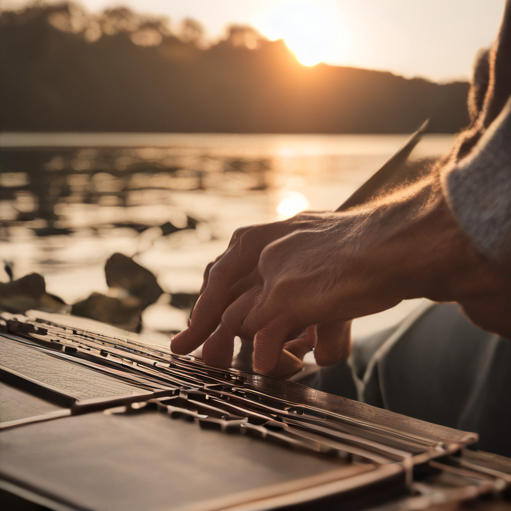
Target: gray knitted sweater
[478,189]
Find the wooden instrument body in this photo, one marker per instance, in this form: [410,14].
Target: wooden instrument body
[83,428]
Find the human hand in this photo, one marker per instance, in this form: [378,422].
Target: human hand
[251,271]
[315,272]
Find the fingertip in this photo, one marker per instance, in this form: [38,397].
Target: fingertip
[179,345]
[264,362]
[268,345]
[287,365]
[218,350]
[263,368]
[326,357]
[303,344]
[326,360]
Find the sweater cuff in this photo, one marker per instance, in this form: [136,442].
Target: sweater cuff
[478,189]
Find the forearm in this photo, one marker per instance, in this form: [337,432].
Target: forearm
[412,243]
[423,252]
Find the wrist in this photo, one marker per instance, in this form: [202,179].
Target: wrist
[424,249]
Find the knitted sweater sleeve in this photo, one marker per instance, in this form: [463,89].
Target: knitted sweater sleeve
[478,189]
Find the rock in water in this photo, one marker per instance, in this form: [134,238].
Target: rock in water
[123,273]
[183,300]
[124,313]
[26,293]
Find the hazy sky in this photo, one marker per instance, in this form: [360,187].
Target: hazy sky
[436,39]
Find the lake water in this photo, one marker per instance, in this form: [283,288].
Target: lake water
[68,201]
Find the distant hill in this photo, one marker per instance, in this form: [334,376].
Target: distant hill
[63,69]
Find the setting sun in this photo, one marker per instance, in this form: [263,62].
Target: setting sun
[306,27]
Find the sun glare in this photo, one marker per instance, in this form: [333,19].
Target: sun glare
[306,27]
[291,204]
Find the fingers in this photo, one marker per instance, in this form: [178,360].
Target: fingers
[271,325]
[246,242]
[204,320]
[239,260]
[242,286]
[287,365]
[246,283]
[207,271]
[276,357]
[333,342]
[242,256]
[304,344]
[290,361]
[218,349]
[268,345]
[205,277]
[235,236]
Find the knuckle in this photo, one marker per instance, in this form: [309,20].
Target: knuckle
[249,242]
[217,281]
[273,257]
[243,244]
[282,288]
[215,271]
[243,241]
[300,237]
[233,317]
[208,268]
[270,252]
[229,321]
[239,232]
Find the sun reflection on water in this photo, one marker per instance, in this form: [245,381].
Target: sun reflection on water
[291,204]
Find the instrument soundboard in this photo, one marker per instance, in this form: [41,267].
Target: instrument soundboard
[96,418]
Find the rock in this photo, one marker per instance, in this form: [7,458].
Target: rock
[52,231]
[123,273]
[124,313]
[183,300]
[132,225]
[169,228]
[192,223]
[29,292]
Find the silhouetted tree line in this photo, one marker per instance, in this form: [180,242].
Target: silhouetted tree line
[63,69]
